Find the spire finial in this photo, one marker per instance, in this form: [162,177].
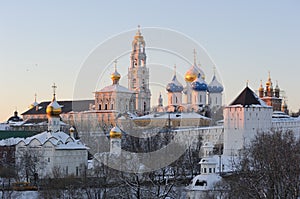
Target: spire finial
[195,56]
[35,97]
[54,89]
[269,75]
[247,83]
[174,69]
[138,30]
[115,66]
[214,68]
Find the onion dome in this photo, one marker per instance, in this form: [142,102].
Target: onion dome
[215,86]
[199,84]
[138,38]
[34,104]
[115,76]
[261,88]
[174,86]
[191,74]
[269,82]
[115,132]
[277,89]
[53,109]
[194,71]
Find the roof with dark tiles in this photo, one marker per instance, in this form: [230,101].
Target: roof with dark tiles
[67,106]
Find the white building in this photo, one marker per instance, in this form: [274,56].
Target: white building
[203,185]
[243,119]
[53,151]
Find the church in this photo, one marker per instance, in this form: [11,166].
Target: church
[134,101]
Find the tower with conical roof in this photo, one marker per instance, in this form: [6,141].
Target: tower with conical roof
[53,111]
[138,74]
[246,116]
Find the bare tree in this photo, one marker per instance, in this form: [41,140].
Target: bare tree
[268,169]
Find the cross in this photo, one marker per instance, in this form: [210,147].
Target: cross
[139,29]
[54,88]
[174,69]
[116,61]
[214,70]
[195,56]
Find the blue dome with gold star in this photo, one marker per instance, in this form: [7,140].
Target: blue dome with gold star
[174,86]
[199,84]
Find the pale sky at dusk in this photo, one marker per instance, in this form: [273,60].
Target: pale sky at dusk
[42,42]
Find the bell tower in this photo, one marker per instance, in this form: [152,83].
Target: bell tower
[138,74]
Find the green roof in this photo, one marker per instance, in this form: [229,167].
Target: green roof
[16,134]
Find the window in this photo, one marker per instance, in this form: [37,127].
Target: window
[99,106]
[204,170]
[112,106]
[201,183]
[48,159]
[77,171]
[105,108]
[209,170]
[67,170]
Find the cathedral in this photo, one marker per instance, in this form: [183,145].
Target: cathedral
[115,100]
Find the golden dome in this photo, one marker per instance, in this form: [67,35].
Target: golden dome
[261,88]
[191,74]
[115,76]
[53,109]
[115,132]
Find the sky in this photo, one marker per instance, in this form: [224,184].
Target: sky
[42,42]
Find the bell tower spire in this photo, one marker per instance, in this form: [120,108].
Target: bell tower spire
[138,74]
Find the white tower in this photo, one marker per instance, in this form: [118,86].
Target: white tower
[215,90]
[115,135]
[208,163]
[53,110]
[243,119]
[138,74]
[174,89]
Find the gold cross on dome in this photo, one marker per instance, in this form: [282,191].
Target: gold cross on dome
[54,88]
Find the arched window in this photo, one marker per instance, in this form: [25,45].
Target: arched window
[105,108]
[145,106]
[99,106]
[112,106]
[133,83]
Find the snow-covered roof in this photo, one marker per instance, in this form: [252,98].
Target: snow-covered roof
[10,141]
[174,85]
[215,86]
[60,140]
[204,182]
[115,88]
[190,115]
